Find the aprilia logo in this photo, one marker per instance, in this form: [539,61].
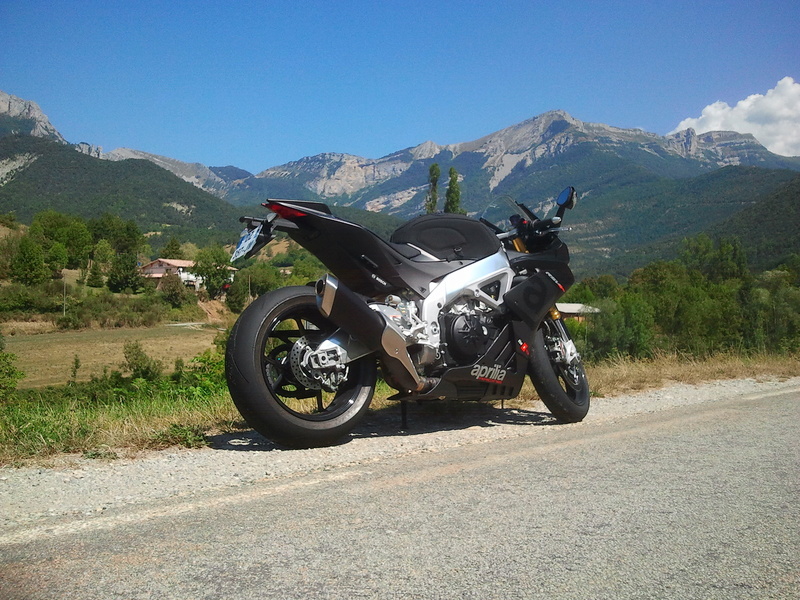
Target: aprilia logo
[494,374]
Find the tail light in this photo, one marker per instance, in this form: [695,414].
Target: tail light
[285,212]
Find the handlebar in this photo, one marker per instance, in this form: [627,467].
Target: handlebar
[526,229]
[545,224]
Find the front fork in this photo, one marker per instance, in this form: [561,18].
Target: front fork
[559,343]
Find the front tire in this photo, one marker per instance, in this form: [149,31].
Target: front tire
[281,406]
[562,386]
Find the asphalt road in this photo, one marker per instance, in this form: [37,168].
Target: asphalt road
[697,501]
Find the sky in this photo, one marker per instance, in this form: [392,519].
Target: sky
[257,84]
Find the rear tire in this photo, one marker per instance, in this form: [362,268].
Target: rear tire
[280,406]
[563,388]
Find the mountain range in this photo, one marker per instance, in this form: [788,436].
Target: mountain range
[636,187]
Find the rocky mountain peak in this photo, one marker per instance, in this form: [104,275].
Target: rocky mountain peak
[683,142]
[29,117]
[425,150]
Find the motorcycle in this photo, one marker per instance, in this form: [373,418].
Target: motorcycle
[450,307]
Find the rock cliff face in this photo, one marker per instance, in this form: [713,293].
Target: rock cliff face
[329,175]
[31,119]
[89,149]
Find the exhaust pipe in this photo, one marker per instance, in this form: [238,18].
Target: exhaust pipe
[341,305]
[345,309]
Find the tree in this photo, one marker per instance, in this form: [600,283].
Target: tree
[95,277]
[432,199]
[452,202]
[211,264]
[252,282]
[124,273]
[56,259]
[639,325]
[103,255]
[124,236]
[28,267]
[50,227]
[604,286]
[9,246]
[718,261]
[625,326]
[189,250]
[172,249]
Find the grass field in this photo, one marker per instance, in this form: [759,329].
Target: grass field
[135,416]
[47,358]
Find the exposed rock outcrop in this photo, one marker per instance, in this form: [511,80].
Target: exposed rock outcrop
[30,117]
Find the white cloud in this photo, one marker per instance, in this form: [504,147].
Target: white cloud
[773,118]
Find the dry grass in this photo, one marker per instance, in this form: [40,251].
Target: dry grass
[47,358]
[622,375]
[140,429]
[170,417]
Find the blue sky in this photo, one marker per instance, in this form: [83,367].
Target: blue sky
[258,84]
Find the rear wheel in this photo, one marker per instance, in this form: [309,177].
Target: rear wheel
[557,373]
[270,380]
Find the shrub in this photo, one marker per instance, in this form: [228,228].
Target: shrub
[139,364]
[175,292]
[9,374]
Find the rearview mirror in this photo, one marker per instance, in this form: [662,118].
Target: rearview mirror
[567,198]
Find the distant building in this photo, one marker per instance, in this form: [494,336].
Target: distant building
[160,267]
[574,310]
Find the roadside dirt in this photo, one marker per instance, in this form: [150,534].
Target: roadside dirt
[216,312]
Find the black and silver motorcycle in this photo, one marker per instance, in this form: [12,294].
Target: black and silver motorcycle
[450,307]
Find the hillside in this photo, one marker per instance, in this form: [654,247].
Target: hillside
[38,174]
[765,220]
[768,229]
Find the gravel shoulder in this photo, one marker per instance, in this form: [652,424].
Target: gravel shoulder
[79,487]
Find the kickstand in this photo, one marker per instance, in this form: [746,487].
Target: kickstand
[404,414]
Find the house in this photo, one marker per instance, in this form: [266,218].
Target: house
[574,310]
[160,267]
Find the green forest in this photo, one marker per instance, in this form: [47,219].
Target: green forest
[706,301]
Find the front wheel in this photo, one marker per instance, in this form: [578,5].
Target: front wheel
[271,383]
[557,373]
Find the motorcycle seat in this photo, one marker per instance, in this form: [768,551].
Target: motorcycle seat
[448,237]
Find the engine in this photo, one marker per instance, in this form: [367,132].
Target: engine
[464,332]
[468,331]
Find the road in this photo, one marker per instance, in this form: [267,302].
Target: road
[697,501]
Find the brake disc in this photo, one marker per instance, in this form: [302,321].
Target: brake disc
[298,357]
[315,369]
